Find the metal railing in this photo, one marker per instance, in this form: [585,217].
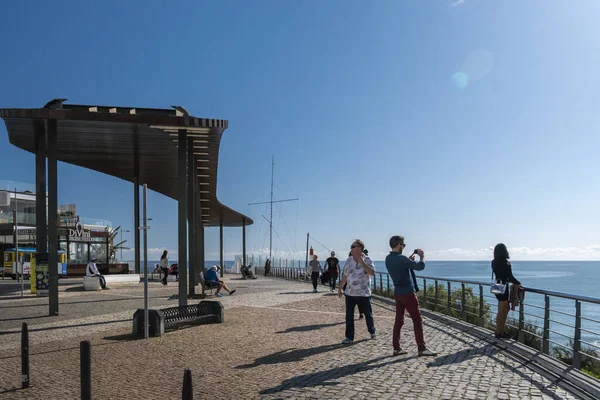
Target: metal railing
[569,317]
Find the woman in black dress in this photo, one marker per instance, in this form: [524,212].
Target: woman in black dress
[503,271]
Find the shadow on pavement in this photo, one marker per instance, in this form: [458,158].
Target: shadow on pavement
[51,328]
[308,328]
[327,377]
[303,292]
[293,355]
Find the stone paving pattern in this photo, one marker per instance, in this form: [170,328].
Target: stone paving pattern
[279,341]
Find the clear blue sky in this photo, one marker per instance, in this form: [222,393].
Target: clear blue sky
[457,124]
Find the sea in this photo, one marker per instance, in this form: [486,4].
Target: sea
[580,278]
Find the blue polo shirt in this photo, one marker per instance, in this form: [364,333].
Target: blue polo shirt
[211,275]
[399,267]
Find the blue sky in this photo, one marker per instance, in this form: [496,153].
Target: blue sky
[458,124]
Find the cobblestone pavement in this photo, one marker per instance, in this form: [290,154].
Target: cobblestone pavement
[279,340]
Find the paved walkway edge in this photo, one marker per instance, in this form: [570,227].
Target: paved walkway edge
[563,375]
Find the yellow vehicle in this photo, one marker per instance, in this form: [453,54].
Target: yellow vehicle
[26,257]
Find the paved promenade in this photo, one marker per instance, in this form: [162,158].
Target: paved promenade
[279,340]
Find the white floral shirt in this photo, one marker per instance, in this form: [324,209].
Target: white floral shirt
[357,278]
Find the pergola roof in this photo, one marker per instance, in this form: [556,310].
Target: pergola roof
[113,140]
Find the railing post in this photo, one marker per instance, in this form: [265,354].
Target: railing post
[481,304]
[577,341]
[424,292]
[449,298]
[521,336]
[435,305]
[388,282]
[462,301]
[381,282]
[546,336]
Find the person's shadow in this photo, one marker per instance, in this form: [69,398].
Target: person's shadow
[293,355]
[328,377]
[308,328]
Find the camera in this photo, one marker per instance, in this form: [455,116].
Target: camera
[415,251]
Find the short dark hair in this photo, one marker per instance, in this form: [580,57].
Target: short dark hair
[360,243]
[396,240]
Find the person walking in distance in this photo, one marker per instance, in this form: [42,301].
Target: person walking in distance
[357,270]
[315,268]
[164,266]
[333,270]
[401,270]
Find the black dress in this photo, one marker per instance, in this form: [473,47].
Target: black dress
[503,271]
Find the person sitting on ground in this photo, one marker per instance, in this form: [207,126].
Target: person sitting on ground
[211,279]
[92,271]
[247,272]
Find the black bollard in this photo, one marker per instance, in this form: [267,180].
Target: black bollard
[24,357]
[85,366]
[188,391]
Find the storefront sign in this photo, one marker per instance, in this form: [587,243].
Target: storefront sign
[79,234]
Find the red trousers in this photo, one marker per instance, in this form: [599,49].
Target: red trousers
[408,302]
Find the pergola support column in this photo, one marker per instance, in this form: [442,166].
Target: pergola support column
[182,216]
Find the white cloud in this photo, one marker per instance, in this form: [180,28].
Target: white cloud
[590,252]
[458,3]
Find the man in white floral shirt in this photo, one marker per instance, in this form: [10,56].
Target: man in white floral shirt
[357,270]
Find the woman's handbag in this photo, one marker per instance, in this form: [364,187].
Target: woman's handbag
[497,286]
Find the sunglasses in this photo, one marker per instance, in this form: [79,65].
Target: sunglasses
[354,246]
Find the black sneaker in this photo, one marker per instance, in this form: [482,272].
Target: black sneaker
[502,336]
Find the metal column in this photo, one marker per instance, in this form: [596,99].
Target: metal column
[136,224]
[221,255]
[197,227]
[201,247]
[190,215]
[40,188]
[136,202]
[52,216]
[244,242]
[182,216]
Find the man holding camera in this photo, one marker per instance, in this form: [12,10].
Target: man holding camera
[401,269]
[357,271]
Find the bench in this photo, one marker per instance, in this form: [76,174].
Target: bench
[93,282]
[121,279]
[177,317]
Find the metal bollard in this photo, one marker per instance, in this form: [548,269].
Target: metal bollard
[85,366]
[188,391]
[24,356]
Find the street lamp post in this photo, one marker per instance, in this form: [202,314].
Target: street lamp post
[145,228]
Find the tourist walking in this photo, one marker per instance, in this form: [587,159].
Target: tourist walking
[357,270]
[399,267]
[164,266]
[315,269]
[502,269]
[267,267]
[333,270]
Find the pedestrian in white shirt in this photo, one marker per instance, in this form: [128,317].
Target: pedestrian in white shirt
[92,270]
[357,270]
